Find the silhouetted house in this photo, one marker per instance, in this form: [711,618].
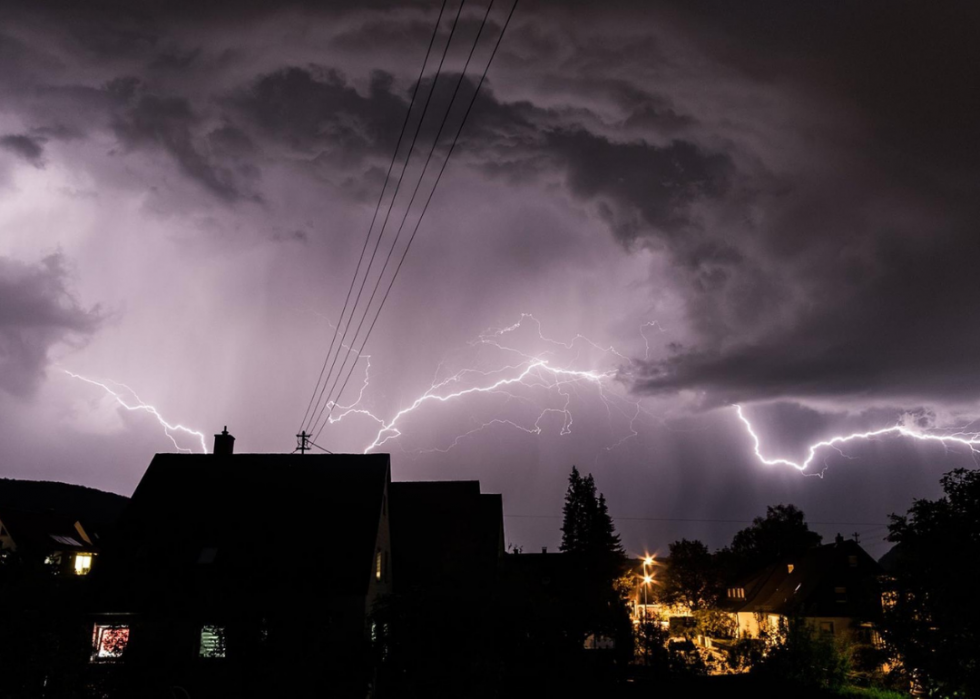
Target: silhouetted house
[57,541]
[244,575]
[446,535]
[834,587]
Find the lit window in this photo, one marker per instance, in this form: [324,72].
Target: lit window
[109,641]
[213,642]
[83,563]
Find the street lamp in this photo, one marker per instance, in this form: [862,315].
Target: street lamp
[647,579]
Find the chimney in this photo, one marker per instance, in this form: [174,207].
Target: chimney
[224,443]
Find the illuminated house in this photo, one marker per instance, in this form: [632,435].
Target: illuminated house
[60,542]
[833,587]
[244,575]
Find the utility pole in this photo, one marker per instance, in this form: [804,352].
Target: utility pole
[303,442]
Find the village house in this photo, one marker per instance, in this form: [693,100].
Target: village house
[833,587]
[244,575]
[57,541]
[446,535]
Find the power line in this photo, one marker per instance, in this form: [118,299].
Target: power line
[877,525]
[377,244]
[331,401]
[425,208]
[367,238]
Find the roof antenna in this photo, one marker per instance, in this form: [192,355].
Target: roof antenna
[303,442]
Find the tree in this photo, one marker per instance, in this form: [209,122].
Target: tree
[589,537]
[810,660]
[932,618]
[693,578]
[782,532]
[587,528]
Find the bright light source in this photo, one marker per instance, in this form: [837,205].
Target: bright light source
[83,563]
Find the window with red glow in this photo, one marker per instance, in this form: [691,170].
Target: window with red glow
[109,641]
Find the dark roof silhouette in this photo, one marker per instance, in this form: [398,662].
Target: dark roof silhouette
[445,533]
[43,532]
[213,528]
[807,584]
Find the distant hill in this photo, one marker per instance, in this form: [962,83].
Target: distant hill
[96,509]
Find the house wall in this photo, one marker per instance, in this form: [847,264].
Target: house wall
[753,624]
[6,541]
[377,588]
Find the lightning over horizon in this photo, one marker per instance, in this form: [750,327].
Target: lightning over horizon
[970,440]
[540,372]
[145,407]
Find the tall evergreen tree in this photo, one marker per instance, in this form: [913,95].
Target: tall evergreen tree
[587,527]
[605,540]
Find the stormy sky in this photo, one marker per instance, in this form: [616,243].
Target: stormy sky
[704,203]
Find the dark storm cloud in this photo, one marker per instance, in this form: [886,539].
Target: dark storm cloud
[821,231]
[169,123]
[30,149]
[314,109]
[37,311]
[870,241]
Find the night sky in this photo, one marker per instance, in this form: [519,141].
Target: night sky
[689,204]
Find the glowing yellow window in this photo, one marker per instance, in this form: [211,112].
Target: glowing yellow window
[83,563]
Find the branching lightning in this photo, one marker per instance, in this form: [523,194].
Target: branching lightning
[168,428]
[969,440]
[551,380]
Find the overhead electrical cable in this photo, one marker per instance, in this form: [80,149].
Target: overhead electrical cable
[377,208]
[411,150]
[418,222]
[331,402]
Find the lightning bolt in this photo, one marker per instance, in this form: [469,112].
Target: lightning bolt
[969,440]
[168,428]
[540,372]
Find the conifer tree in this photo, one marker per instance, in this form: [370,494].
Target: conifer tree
[587,527]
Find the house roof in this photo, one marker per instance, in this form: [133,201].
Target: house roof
[835,580]
[444,533]
[201,524]
[43,532]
